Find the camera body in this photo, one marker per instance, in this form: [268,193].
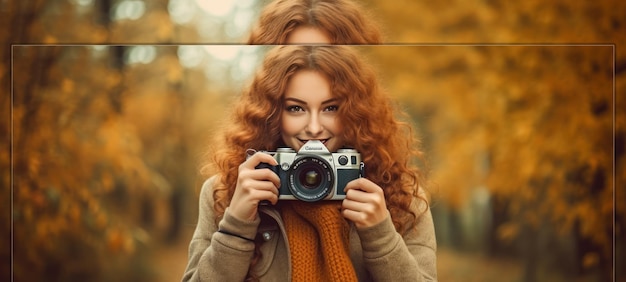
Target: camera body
[313,173]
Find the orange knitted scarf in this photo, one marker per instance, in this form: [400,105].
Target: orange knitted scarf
[318,241]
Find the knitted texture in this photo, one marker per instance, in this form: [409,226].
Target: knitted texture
[318,242]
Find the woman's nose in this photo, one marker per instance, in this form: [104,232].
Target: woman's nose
[314,127]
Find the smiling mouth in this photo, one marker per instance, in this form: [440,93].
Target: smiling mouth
[321,140]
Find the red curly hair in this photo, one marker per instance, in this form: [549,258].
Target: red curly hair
[343,21]
[386,144]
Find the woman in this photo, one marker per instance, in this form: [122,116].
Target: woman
[314,21]
[382,230]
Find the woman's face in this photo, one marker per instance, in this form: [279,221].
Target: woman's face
[307,35]
[310,112]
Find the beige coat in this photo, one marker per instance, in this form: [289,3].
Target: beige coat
[378,253]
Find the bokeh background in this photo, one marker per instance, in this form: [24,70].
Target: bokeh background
[110,105]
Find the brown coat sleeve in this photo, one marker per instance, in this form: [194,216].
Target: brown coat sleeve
[214,256]
[390,257]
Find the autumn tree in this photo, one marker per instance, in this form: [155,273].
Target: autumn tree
[106,138]
[531,124]
[80,179]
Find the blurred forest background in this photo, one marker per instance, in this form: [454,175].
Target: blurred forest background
[109,105]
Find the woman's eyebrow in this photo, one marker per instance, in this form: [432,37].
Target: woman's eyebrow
[329,101]
[295,100]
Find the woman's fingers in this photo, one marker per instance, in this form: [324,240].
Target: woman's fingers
[256,159]
[253,186]
[250,178]
[364,203]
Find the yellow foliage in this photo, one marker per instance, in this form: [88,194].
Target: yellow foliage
[49,39]
[160,22]
[115,241]
[508,231]
[67,86]
[591,260]
[527,122]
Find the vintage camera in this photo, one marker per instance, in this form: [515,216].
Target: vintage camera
[313,173]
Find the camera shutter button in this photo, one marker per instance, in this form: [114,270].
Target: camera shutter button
[343,160]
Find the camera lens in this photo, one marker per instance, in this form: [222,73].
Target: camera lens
[310,179]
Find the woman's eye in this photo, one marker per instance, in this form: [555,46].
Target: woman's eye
[294,109]
[333,108]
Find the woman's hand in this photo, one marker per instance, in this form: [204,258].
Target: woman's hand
[364,203]
[254,186]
